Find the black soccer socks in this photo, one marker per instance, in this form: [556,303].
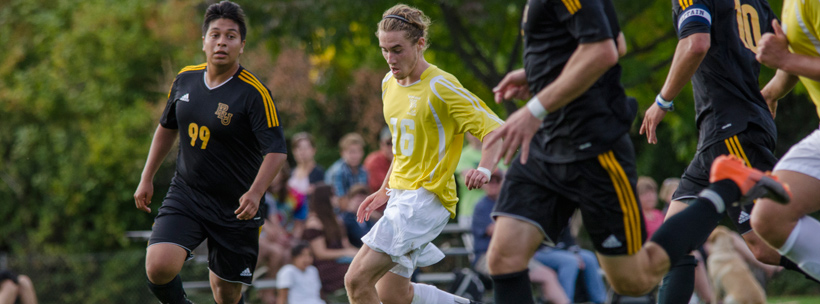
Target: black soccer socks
[513,288]
[688,229]
[169,293]
[677,286]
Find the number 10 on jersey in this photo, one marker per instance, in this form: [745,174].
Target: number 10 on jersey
[403,132]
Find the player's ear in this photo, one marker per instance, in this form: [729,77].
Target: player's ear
[203,43]
[242,48]
[421,43]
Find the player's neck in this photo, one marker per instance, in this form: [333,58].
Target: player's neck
[415,75]
[216,74]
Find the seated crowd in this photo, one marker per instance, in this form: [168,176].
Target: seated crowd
[311,234]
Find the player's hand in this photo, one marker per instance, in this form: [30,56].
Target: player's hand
[516,132]
[474,179]
[651,119]
[370,204]
[773,48]
[772,107]
[248,205]
[142,197]
[514,85]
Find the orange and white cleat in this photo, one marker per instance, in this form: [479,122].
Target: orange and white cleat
[753,183]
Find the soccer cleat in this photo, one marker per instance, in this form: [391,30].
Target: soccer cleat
[753,183]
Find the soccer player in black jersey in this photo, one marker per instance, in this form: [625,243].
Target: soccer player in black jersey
[718,42]
[576,153]
[230,148]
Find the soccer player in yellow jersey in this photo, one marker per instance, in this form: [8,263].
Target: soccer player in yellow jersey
[428,112]
[788,227]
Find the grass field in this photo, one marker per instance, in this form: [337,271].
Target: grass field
[795,300]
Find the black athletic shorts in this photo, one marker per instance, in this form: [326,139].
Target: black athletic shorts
[754,146]
[232,251]
[546,194]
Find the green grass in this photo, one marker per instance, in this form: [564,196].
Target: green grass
[794,300]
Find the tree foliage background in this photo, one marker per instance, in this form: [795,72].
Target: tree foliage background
[82,84]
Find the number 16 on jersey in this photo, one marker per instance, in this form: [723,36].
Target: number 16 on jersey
[404,132]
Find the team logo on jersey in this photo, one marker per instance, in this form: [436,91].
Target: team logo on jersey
[222,114]
[184,97]
[414,100]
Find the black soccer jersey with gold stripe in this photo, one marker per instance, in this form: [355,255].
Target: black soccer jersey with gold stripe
[726,88]
[588,125]
[224,132]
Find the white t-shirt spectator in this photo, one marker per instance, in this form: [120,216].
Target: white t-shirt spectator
[303,286]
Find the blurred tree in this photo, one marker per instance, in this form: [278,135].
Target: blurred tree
[81,86]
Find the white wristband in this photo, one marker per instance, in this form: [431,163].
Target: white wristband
[486,172]
[536,108]
[666,105]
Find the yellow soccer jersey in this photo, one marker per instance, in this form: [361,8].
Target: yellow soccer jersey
[801,22]
[428,120]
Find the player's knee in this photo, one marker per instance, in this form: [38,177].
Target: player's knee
[765,254]
[352,282]
[763,226]
[501,262]
[7,286]
[25,282]
[227,295]
[160,272]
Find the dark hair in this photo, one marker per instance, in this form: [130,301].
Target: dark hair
[298,248]
[319,203]
[227,10]
[411,20]
[282,194]
[357,189]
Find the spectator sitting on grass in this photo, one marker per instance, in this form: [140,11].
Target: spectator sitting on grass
[298,282]
[328,240]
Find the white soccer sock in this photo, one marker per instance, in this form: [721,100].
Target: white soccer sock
[428,294]
[803,246]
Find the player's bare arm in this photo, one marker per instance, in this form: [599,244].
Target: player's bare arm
[773,51]
[375,200]
[777,88]
[688,56]
[475,178]
[249,202]
[585,66]
[164,139]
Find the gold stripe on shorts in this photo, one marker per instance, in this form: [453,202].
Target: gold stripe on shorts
[733,144]
[626,198]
